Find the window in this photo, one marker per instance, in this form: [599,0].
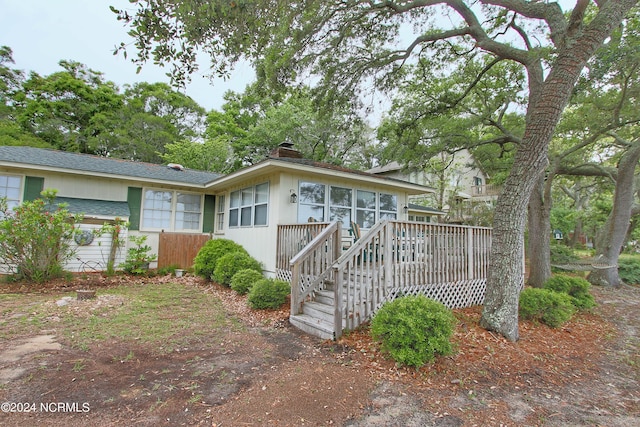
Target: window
[10,188]
[220,214]
[171,210]
[261,204]
[311,202]
[187,212]
[246,206]
[366,208]
[157,209]
[388,206]
[340,203]
[249,206]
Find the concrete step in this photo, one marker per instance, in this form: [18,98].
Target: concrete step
[313,326]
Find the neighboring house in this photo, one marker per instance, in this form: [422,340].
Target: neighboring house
[161,202]
[464,182]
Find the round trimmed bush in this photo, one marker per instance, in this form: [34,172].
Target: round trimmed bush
[576,287]
[414,329]
[243,280]
[546,306]
[228,265]
[268,294]
[205,262]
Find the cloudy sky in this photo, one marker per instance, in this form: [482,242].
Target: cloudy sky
[41,33]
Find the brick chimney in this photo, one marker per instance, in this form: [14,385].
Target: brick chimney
[285,150]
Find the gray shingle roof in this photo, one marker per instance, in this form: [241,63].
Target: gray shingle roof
[88,163]
[95,207]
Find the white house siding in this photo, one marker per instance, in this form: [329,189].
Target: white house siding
[261,241]
[86,187]
[93,257]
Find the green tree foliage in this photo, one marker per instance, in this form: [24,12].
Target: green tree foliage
[211,155]
[353,45]
[253,126]
[10,83]
[413,330]
[36,237]
[70,109]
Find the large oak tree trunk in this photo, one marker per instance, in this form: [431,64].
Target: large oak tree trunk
[547,99]
[611,237]
[539,253]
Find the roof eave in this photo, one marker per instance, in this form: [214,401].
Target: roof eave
[28,166]
[272,165]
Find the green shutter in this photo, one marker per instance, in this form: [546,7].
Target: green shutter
[134,199]
[33,186]
[208,213]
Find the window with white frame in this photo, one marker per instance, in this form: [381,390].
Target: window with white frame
[311,201]
[261,204]
[220,213]
[249,206]
[340,205]
[368,205]
[388,206]
[10,189]
[171,210]
[365,208]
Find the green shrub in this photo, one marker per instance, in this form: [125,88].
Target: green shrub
[414,329]
[576,287]
[205,261]
[629,270]
[138,256]
[230,264]
[268,294]
[36,237]
[243,280]
[546,306]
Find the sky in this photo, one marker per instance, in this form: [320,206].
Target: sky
[41,33]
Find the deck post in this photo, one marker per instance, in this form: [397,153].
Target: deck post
[295,289]
[469,254]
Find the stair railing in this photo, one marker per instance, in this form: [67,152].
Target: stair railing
[361,274]
[313,264]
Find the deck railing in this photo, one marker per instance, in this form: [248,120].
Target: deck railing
[292,238]
[448,263]
[312,266]
[444,262]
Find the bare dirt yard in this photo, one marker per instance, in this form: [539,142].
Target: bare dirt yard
[166,351]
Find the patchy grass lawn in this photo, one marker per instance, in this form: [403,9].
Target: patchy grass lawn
[166,351]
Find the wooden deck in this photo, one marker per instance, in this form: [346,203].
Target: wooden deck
[335,290]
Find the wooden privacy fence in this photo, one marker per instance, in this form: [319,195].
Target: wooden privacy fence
[179,248]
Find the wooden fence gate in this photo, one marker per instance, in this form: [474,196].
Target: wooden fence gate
[179,249]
